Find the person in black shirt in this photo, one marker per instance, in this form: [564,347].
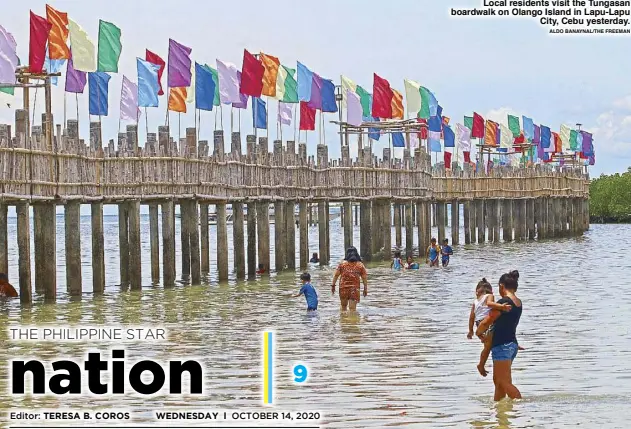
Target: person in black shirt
[504,347]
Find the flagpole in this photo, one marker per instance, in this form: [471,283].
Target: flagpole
[221,116]
[231,119]
[77,102]
[254,106]
[195,116]
[146,123]
[179,132]
[279,127]
[296,122]
[64,123]
[239,118]
[216,117]
[267,120]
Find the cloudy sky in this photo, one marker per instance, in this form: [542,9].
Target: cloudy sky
[491,66]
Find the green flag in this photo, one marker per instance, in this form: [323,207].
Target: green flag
[574,140]
[364,98]
[513,125]
[468,122]
[110,47]
[424,112]
[216,100]
[291,86]
[10,91]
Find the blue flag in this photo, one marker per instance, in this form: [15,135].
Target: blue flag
[439,112]
[259,114]
[435,123]
[449,136]
[305,78]
[98,87]
[545,137]
[328,96]
[433,105]
[434,142]
[529,128]
[373,133]
[397,140]
[148,84]
[204,88]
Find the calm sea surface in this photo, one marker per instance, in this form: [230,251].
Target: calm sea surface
[404,360]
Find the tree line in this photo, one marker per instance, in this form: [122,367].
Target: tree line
[610,198]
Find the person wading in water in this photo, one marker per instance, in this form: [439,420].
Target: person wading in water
[350,271]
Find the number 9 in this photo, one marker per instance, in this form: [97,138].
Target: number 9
[300,372]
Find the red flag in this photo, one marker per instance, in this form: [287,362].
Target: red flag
[423,134]
[251,75]
[521,139]
[155,59]
[558,147]
[581,155]
[307,116]
[447,159]
[478,126]
[382,98]
[40,28]
[467,157]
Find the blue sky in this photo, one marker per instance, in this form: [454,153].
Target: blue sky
[491,66]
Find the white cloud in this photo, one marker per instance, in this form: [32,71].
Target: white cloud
[501,115]
[612,133]
[623,103]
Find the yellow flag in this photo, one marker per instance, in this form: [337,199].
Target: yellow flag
[347,85]
[565,137]
[412,96]
[83,52]
[190,98]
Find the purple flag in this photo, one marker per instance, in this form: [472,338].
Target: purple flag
[284,113]
[537,138]
[179,65]
[243,104]
[75,79]
[8,56]
[587,148]
[353,108]
[129,101]
[316,92]
[541,153]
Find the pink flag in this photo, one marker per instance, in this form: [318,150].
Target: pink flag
[243,103]
[129,101]
[228,83]
[8,57]
[353,108]
[179,72]
[284,113]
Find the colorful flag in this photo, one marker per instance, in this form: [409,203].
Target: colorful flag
[574,140]
[429,104]
[40,28]
[529,128]
[506,137]
[490,133]
[412,95]
[328,96]
[177,99]
[228,83]
[307,115]
[449,136]
[204,88]
[8,57]
[435,124]
[464,137]
[545,137]
[251,75]
[373,133]
[110,47]
[148,83]
[271,65]
[53,66]
[468,122]
[347,85]
[286,85]
[83,52]
[477,130]
[315,101]
[98,83]
[155,59]
[537,135]
[558,144]
[75,79]
[243,102]
[58,35]
[382,98]
[397,104]
[365,99]
[129,101]
[447,159]
[414,141]
[424,130]
[284,113]
[259,113]
[513,125]
[305,81]
[564,133]
[434,141]
[398,140]
[217,99]
[588,146]
[179,73]
[467,156]
[353,108]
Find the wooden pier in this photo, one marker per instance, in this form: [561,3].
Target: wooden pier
[50,166]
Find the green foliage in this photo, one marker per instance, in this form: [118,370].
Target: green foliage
[610,198]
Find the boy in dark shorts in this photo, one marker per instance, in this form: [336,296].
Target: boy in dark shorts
[446,251]
[307,289]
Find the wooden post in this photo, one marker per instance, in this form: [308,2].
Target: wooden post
[38,244]
[222,242]
[135,249]
[348,225]
[154,238]
[420,231]
[251,229]
[386,228]
[466,209]
[185,238]
[193,229]
[279,235]
[204,237]
[481,224]
[409,229]
[98,251]
[262,223]
[123,244]
[168,243]
[530,218]
[494,235]
[473,219]
[290,235]
[304,234]
[238,241]
[356,214]
[518,215]
[24,251]
[327,236]
[554,211]
[377,238]
[550,218]
[541,218]
[507,220]
[73,248]
[397,225]
[4,239]
[322,232]
[440,220]
[365,237]
[455,222]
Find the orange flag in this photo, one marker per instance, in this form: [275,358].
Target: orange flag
[177,99]
[397,104]
[58,35]
[271,65]
[490,135]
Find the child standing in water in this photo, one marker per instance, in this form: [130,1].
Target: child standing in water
[446,252]
[433,251]
[411,265]
[484,302]
[307,289]
[396,262]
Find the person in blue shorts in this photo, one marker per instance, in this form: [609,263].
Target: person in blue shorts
[433,252]
[446,251]
[396,261]
[307,289]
